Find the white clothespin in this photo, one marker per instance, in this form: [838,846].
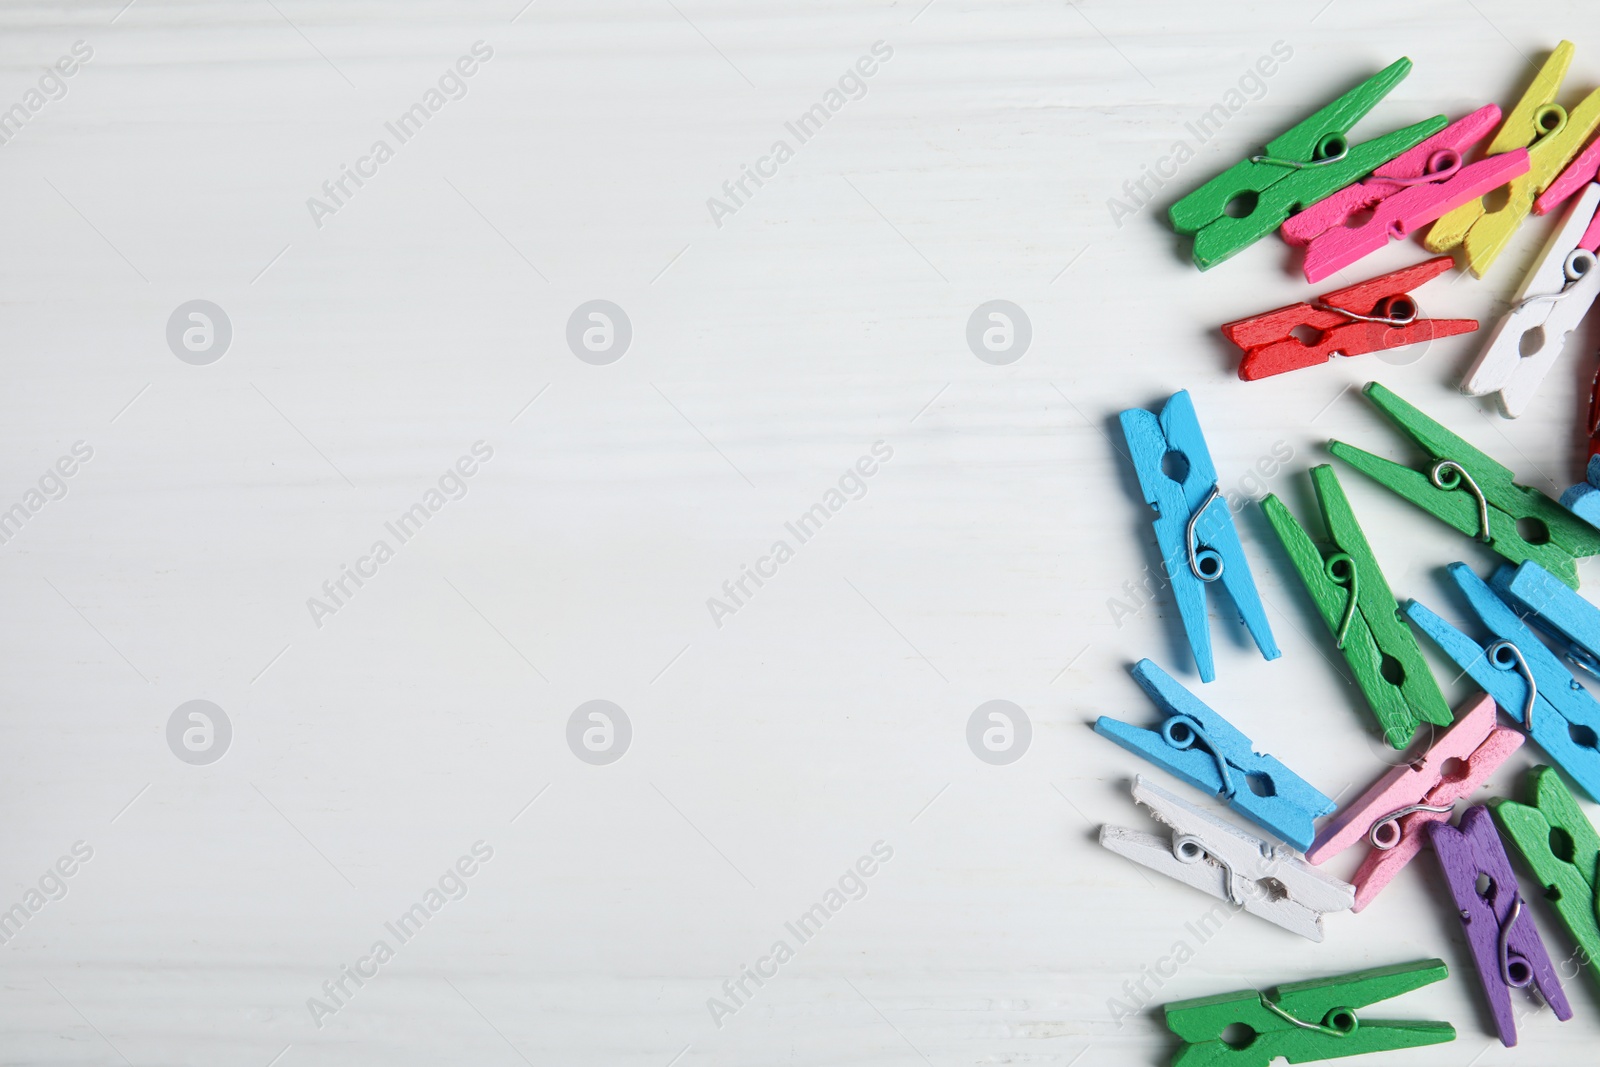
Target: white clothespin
[1553,299]
[1220,859]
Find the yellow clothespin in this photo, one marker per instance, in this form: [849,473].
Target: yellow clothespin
[1552,136]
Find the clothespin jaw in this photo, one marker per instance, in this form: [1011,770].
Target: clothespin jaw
[1499,924]
[1552,136]
[1468,490]
[1199,746]
[1562,850]
[1350,592]
[1524,677]
[1555,296]
[1372,316]
[1554,608]
[1199,544]
[1223,861]
[1305,1021]
[1406,193]
[1393,813]
[1301,166]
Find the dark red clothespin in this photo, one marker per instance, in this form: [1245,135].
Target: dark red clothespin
[1372,316]
[1594,416]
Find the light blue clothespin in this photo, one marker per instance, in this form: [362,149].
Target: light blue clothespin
[1194,527]
[1525,678]
[1202,748]
[1583,499]
[1555,609]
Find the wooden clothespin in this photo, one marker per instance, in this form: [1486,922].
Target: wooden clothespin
[1194,527]
[1552,136]
[1468,490]
[1354,600]
[1219,859]
[1301,166]
[1204,749]
[1571,620]
[1304,1021]
[1403,195]
[1562,849]
[1498,923]
[1391,814]
[1583,499]
[1555,296]
[1524,677]
[1371,316]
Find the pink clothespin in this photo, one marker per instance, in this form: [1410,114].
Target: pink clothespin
[1410,191]
[1579,173]
[1392,813]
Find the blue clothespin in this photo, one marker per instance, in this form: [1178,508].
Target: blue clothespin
[1202,748]
[1555,609]
[1583,499]
[1194,527]
[1525,678]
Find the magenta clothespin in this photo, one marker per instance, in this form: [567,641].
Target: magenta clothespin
[1499,923]
[1579,173]
[1410,191]
[1390,815]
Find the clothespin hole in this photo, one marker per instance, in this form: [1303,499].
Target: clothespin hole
[1444,161]
[1503,655]
[1550,119]
[1454,769]
[1342,1020]
[1309,336]
[1399,308]
[1583,736]
[1386,834]
[1578,263]
[1209,565]
[1533,531]
[1175,465]
[1261,785]
[1518,970]
[1495,200]
[1273,889]
[1178,733]
[1238,1036]
[1532,342]
[1485,887]
[1332,147]
[1393,671]
[1561,844]
[1242,205]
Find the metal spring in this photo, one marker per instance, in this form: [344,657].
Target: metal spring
[1492,652]
[1436,476]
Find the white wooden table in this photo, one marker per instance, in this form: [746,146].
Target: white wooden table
[782,340]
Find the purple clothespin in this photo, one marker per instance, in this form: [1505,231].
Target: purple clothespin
[1500,930]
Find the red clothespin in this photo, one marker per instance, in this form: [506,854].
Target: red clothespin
[1372,316]
[1403,195]
[1594,416]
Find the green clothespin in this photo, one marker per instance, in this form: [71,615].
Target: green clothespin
[1301,166]
[1305,1021]
[1350,591]
[1476,495]
[1562,849]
